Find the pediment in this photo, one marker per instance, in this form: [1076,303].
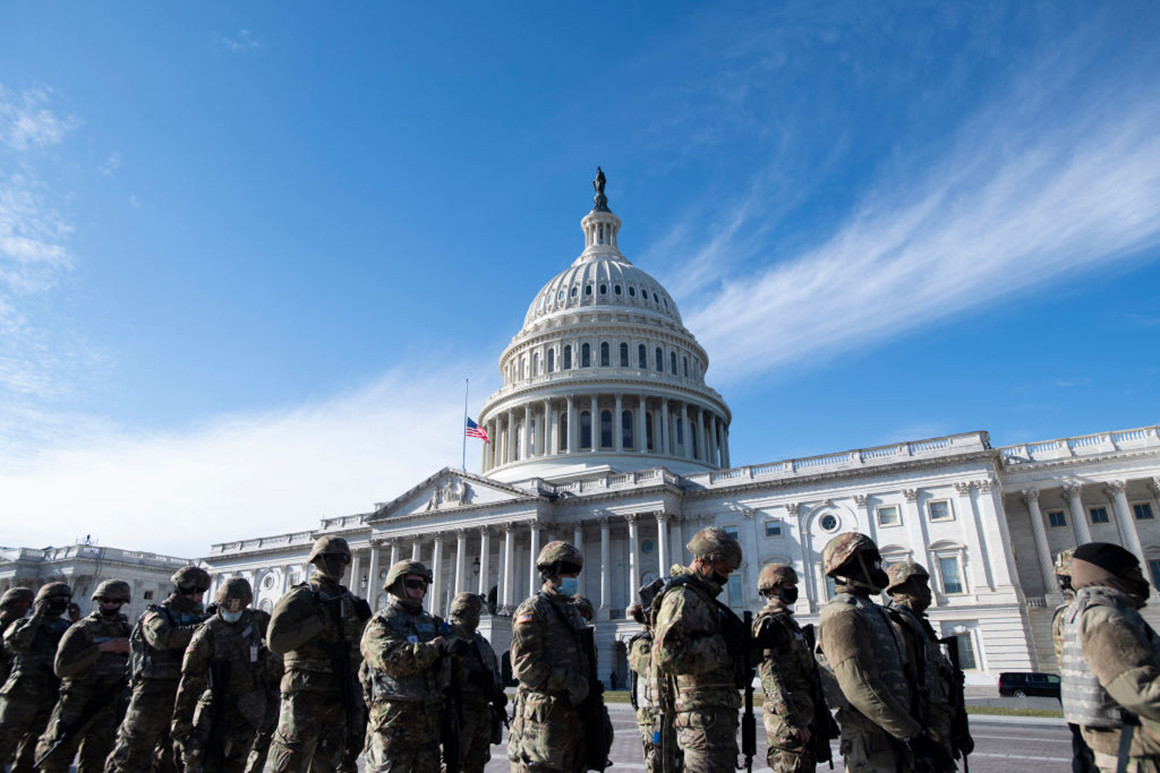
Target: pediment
[449,490]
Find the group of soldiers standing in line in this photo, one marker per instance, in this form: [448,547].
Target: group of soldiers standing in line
[322,680]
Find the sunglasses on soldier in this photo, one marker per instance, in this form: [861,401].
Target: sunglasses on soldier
[415,584]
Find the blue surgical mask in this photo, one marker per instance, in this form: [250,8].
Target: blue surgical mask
[569,586]
[231,617]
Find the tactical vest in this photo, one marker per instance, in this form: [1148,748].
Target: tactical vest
[1085,701]
[644,690]
[424,686]
[110,666]
[240,644]
[147,662]
[37,661]
[885,643]
[479,682]
[349,613]
[562,639]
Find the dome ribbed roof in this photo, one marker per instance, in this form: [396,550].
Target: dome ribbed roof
[601,282]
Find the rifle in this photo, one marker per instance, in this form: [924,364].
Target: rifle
[594,715]
[961,739]
[748,720]
[96,703]
[215,745]
[452,719]
[823,728]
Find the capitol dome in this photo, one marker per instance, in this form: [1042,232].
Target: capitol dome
[603,375]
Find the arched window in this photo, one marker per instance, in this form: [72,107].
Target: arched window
[563,435]
[568,357]
[536,364]
[673,362]
[585,430]
[693,439]
[624,355]
[626,429]
[686,367]
[606,429]
[605,355]
[585,356]
[660,358]
[551,360]
[648,431]
[642,357]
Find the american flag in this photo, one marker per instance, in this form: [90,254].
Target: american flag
[474,430]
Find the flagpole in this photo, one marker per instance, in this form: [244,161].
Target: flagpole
[463,426]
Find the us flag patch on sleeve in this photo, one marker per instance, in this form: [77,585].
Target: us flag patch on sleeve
[526,617]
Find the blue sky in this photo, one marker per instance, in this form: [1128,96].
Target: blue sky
[249,252]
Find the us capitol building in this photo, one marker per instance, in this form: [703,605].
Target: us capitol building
[605,433]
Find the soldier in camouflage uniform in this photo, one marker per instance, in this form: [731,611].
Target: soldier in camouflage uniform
[910,596]
[547,654]
[221,700]
[91,662]
[1082,759]
[158,644]
[865,656]
[698,643]
[316,628]
[1111,659]
[405,675]
[789,675]
[481,692]
[14,604]
[643,688]
[30,692]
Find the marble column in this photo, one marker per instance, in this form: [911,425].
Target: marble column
[533,554]
[679,548]
[355,586]
[572,426]
[605,566]
[714,457]
[578,536]
[617,427]
[373,583]
[1126,521]
[460,562]
[594,425]
[633,561]
[641,430]
[686,446]
[725,445]
[546,447]
[662,545]
[1072,492]
[435,597]
[415,551]
[508,570]
[663,442]
[394,552]
[484,560]
[526,446]
[1042,548]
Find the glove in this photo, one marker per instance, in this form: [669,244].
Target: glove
[577,689]
[454,647]
[500,700]
[927,748]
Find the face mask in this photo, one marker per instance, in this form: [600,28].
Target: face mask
[719,579]
[331,567]
[230,617]
[57,607]
[788,596]
[111,611]
[569,586]
[468,621]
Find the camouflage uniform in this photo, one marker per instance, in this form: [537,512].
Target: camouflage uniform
[864,654]
[234,653]
[927,666]
[789,677]
[547,732]
[646,701]
[404,678]
[89,676]
[13,606]
[696,660]
[158,644]
[1111,658]
[315,627]
[27,697]
[480,685]
[1082,759]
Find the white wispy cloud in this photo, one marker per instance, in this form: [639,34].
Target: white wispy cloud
[242,43]
[27,122]
[111,164]
[240,476]
[1028,194]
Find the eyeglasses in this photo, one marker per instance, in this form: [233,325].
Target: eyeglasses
[415,584]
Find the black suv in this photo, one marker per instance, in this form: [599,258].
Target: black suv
[1021,684]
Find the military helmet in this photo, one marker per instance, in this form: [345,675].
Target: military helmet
[191,577]
[560,552]
[902,571]
[15,596]
[329,546]
[1063,563]
[114,590]
[402,568]
[469,603]
[842,548]
[48,590]
[715,544]
[775,574]
[235,589]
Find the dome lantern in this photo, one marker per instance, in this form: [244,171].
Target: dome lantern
[601,227]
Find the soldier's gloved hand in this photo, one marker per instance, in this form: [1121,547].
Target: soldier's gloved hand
[927,748]
[963,742]
[500,700]
[577,688]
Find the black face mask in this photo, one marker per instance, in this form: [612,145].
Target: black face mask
[788,596]
[331,566]
[110,612]
[57,607]
[719,579]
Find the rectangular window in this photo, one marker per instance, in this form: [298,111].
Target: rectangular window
[148,595]
[888,515]
[952,578]
[1142,511]
[1056,518]
[966,645]
[733,532]
[940,510]
[734,586]
[831,588]
[1099,514]
[1154,570]
[773,528]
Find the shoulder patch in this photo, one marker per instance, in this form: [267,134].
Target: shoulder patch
[526,617]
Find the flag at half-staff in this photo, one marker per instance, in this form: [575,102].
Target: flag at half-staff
[474,430]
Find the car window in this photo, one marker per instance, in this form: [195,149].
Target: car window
[1053,679]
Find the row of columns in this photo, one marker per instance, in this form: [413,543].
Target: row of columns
[538,429]
[1072,492]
